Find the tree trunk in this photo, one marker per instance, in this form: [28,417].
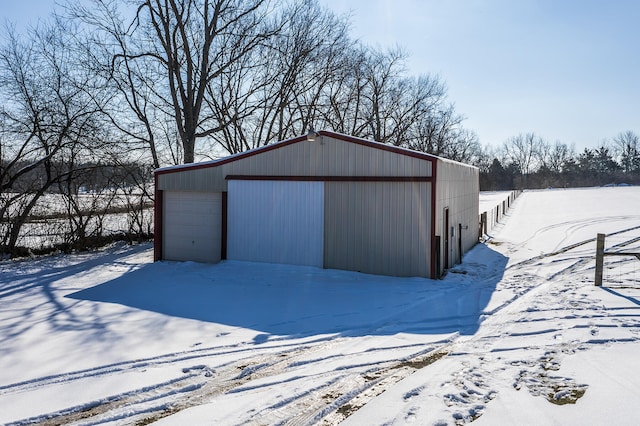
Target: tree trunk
[188,145]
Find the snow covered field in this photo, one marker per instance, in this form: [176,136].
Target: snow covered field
[490,199]
[517,334]
[50,225]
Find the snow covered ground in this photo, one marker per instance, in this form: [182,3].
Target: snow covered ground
[517,334]
[490,199]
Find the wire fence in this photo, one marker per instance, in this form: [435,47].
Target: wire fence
[618,259]
[91,221]
[491,217]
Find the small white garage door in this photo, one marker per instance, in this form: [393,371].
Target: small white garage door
[276,222]
[192,226]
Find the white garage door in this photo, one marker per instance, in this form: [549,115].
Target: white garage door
[276,222]
[192,226]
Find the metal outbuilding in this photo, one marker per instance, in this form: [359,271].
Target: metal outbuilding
[332,201]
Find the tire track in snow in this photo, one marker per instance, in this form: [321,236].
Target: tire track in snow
[144,363]
[470,389]
[105,409]
[579,262]
[346,392]
[574,225]
[343,395]
[573,246]
[201,384]
[556,389]
[166,398]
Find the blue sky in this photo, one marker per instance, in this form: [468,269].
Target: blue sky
[568,70]
[23,12]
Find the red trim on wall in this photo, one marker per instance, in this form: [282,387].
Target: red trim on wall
[364,142]
[157,222]
[446,238]
[434,184]
[333,178]
[223,237]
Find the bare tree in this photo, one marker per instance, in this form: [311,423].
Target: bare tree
[524,150]
[238,74]
[112,55]
[627,148]
[322,54]
[381,93]
[465,147]
[436,130]
[555,157]
[168,61]
[276,91]
[195,41]
[345,110]
[47,115]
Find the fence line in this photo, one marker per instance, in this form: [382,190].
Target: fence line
[601,253]
[490,218]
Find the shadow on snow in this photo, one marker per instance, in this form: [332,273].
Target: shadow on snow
[624,296]
[30,291]
[294,300]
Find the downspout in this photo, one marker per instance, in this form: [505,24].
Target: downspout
[157,220]
[434,246]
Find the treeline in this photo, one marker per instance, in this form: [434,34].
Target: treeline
[82,178]
[83,207]
[196,79]
[106,84]
[527,161]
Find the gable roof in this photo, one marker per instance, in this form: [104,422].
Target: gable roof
[298,139]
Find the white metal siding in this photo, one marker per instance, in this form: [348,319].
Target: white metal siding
[457,188]
[276,222]
[192,226]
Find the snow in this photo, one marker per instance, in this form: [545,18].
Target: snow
[490,199]
[516,334]
[44,230]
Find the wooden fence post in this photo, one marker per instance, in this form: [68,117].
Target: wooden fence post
[484,223]
[599,258]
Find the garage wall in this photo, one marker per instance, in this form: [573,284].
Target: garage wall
[458,187]
[326,156]
[192,228]
[373,213]
[276,222]
[378,227]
